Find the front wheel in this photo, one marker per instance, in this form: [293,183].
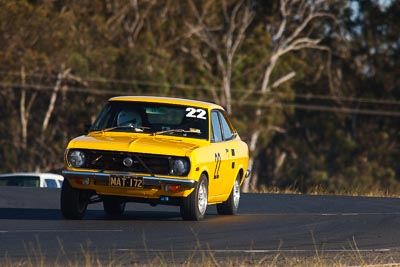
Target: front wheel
[73,202]
[194,206]
[231,205]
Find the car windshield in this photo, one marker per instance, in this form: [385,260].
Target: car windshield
[153,118]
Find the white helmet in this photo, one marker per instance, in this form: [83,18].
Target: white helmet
[129,118]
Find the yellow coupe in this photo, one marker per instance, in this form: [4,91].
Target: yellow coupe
[156,150]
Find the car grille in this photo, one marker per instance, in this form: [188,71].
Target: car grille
[113,161]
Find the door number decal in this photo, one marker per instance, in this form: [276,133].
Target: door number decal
[218,165]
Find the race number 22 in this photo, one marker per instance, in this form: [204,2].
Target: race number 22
[196,113]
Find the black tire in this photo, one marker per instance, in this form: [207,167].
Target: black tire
[193,207]
[113,206]
[231,205]
[73,202]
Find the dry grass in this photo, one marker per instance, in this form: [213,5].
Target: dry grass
[319,190]
[279,259]
[204,257]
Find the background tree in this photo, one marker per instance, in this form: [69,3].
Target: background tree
[312,86]
[351,143]
[302,25]
[221,27]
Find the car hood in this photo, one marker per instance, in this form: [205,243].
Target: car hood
[163,145]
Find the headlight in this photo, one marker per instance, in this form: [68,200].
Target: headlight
[179,166]
[76,158]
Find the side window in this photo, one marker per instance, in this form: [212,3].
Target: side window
[104,120]
[227,131]
[216,127]
[51,183]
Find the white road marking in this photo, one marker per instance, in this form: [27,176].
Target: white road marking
[56,231]
[360,214]
[320,214]
[378,265]
[248,251]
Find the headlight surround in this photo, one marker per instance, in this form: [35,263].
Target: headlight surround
[179,166]
[76,158]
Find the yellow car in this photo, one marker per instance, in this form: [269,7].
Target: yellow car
[156,150]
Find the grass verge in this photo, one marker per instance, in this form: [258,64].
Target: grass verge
[319,190]
[36,257]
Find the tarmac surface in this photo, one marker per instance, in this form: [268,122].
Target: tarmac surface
[33,229]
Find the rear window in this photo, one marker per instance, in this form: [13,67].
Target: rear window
[31,181]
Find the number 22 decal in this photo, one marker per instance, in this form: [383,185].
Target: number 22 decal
[196,113]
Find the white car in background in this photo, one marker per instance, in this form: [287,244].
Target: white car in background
[32,179]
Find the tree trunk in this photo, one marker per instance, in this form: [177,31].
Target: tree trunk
[23,112]
[252,180]
[53,99]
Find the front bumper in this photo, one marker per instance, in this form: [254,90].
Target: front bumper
[151,181]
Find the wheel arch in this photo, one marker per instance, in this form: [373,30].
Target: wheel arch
[207,177]
[241,175]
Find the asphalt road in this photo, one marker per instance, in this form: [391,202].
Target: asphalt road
[31,226]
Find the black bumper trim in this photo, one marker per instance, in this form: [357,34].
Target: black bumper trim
[147,180]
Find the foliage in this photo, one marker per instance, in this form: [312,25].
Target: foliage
[333,123]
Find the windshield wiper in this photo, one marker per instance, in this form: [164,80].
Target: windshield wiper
[177,131]
[135,128]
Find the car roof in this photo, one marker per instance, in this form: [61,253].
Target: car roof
[44,175]
[168,100]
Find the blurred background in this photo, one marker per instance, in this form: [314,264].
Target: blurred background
[312,86]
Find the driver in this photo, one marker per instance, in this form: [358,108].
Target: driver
[129,118]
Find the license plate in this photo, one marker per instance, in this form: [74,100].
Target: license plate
[125,181]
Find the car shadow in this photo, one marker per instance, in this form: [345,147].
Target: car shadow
[29,214]
[55,214]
